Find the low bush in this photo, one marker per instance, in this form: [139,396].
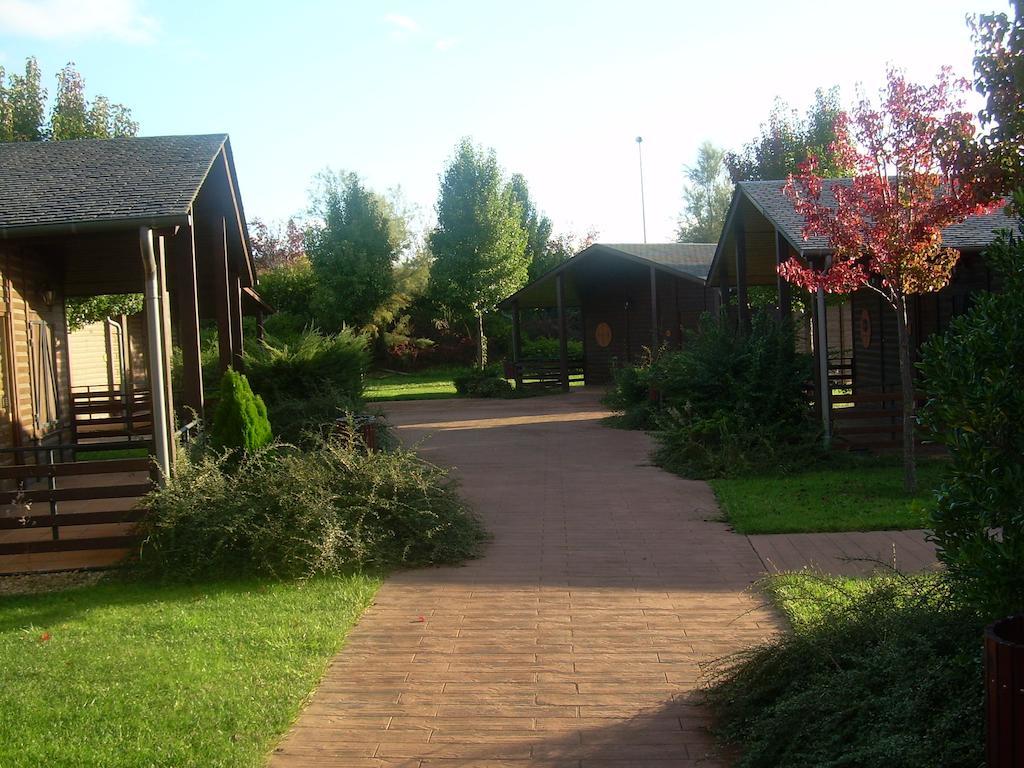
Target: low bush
[547,348]
[975,408]
[240,421]
[884,671]
[285,512]
[488,382]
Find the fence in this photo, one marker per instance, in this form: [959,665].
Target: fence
[105,419]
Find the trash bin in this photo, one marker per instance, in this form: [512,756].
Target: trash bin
[1004,693]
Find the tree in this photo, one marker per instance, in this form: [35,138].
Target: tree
[23,105]
[538,227]
[706,197]
[787,140]
[353,249]
[560,248]
[73,117]
[479,243]
[999,77]
[276,245]
[913,179]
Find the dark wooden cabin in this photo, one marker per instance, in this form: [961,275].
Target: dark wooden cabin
[161,216]
[632,298]
[853,338]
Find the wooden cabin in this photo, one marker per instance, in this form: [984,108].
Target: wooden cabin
[160,216]
[632,298]
[853,338]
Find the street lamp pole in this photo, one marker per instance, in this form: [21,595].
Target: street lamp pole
[643,207]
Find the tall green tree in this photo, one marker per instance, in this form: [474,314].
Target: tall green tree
[23,104]
[479,243]
[787,140]
[706,197]
[352,250]
[538,227]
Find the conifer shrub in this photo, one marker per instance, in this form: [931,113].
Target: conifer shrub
[240,421]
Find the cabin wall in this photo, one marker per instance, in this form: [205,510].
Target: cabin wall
[25,274]
[680,304]
[99,358]
[875,340]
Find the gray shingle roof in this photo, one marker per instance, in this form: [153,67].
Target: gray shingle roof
[693,259]
[92,181]
[975,233]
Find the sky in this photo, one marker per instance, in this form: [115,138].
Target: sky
[560,89]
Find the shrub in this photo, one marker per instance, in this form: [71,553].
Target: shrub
[240,421]
[489,382]
[975,407]
[884,671]
[286,512]
[547,348]
[728,402]
[310,380]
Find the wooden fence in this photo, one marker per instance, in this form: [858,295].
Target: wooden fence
[546,373]
[110,418]
[871,420]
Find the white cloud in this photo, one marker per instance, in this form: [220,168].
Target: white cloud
[402,24]
[121,20]
[445,44]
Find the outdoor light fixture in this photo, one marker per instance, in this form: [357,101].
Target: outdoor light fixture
[47,294]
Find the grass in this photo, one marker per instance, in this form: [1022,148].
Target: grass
[849,493]
[431,384]
[880,671]
[130,674]
[120,453]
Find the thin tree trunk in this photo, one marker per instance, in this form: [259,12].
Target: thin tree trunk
[909,401]
[481,342]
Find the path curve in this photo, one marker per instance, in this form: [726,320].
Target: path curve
[577,640]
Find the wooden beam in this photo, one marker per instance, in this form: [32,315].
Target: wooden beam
[183,255]
[563,342]
[166,344]
[235,297]
[785,289]
[655,334]
[742,311]
[218,246]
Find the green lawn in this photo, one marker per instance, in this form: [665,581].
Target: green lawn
[130,674]
[433,384]
[849,494]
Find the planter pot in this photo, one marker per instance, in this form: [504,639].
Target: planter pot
[1004,693]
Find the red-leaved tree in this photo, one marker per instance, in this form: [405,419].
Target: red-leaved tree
[915,157]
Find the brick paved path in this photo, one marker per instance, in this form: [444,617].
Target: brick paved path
[576,641]
[847,554]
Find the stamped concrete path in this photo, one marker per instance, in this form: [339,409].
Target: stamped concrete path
[577,640]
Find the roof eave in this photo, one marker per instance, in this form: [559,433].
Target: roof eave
[98,225]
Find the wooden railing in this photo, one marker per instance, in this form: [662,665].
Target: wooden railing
[51,487]
[545,373]
[868,419]
[110,418]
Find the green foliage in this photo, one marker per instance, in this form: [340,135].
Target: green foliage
[289,289]
[487,382]
[881,672]
[354,250]
[975,408]
[547,348]
[705,198]
[240,421]
[23,105]
[479,244]
[560,248]
[287,512]
[95,309]
[537,226]
[727,403]
[786,140]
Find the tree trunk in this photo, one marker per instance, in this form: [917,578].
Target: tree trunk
[909,401]
[481,342]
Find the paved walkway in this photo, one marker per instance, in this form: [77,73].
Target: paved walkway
[576,641]
[848,554]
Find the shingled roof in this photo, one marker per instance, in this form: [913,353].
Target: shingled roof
[149,180]
[693,259]
[767,196]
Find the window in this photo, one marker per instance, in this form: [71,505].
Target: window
[43,370]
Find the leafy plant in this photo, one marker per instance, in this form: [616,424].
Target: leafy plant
[547,348]
[488,382]
[975,408]
[284,512]
[240,421]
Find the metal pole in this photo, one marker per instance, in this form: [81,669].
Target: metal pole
[643,207]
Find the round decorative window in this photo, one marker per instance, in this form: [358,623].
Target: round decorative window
[865,328]
[603,334]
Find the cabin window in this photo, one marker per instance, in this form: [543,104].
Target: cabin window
[43,370]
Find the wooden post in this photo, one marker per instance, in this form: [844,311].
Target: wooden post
[221,290]
[742,313]
[166,345]
[655,334]
[517,345]
[261,331]
[235,297]
[183,255]
[563,342]
[785,290]
[821,358]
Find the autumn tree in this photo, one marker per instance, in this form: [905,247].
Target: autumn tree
[479,244]
[353,249]
[788,139]
[276,245]
[912,157]
[705,197]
